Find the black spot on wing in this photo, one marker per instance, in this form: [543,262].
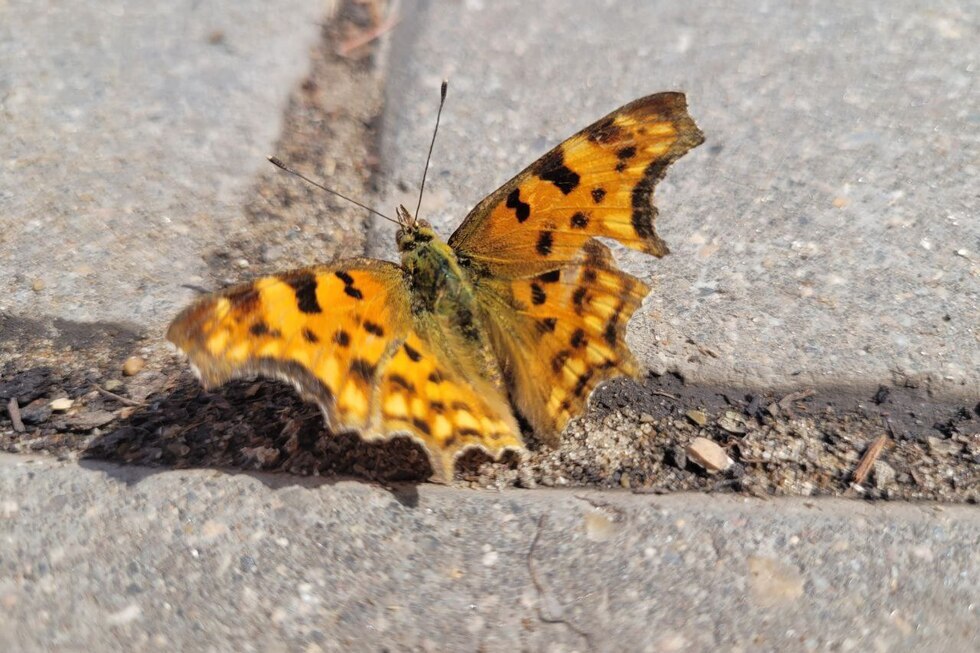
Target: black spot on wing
[626,152]
[401,381]
[362,368]
[303,284]
[578,339]
[598,194]
[558,362]
[551,167]
[260,328]
[421,425]
[579,220]
[353,292]
[373,328]
[546,240]
[521,209]
[550,277]
[609,335]
[342,338]
[346,278]
[412,353]
[538,295]
[579,298]
[310,336]
[349,288]
[582,383]
[547,325]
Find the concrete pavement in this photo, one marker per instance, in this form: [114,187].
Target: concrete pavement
[101,557]
[825,234]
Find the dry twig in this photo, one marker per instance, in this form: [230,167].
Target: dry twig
[868,461]
[360,40]
[14,410]
[123,400]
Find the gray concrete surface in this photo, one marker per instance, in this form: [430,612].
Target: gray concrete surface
[825,234]
[109,558]
[131,133]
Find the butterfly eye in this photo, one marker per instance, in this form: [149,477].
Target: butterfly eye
[405,241]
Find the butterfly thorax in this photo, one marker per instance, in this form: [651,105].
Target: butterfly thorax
[440,288]
[443,301]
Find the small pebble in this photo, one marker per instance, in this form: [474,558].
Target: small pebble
[732,422]
[884,475]
[61,404]
[113,385]
[709,455]
[133,365]
[38,285]
[697,416]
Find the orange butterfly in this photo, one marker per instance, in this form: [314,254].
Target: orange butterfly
[523,309]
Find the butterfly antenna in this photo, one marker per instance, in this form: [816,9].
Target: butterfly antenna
[276,162]
[442,101]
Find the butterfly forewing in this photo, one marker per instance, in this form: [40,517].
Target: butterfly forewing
[599,182]
[344,335]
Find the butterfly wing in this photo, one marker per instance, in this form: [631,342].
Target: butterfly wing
[344,335]
[552,295]
[599,182]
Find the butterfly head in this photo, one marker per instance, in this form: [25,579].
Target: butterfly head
[412,232]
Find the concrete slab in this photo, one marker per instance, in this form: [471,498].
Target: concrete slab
[826,232]
[118,558]
[131,134]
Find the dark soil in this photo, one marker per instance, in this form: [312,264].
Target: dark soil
[634,436]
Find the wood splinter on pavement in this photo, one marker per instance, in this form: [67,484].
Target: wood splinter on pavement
[351,44]
[14,411]
[868,461]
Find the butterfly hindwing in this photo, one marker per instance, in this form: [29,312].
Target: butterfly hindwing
[599,182]
[563,333]
[345,336]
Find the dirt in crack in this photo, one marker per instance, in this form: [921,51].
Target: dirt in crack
[635,436]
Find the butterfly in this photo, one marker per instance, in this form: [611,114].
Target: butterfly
[521,312]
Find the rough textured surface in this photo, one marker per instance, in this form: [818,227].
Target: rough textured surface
[110,558]
[132,134]
[634,436]
[824,234]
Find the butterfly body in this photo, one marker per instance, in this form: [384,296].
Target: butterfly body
[522,311]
